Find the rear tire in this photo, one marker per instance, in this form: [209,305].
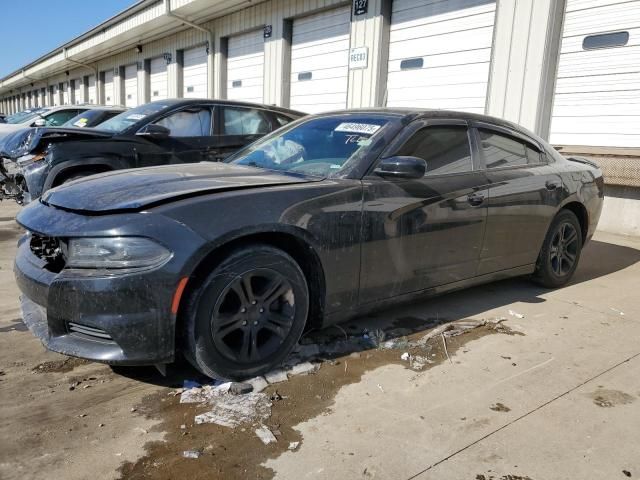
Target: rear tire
[246,316]
[560,253]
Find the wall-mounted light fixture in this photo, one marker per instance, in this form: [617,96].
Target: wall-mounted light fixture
[138,48]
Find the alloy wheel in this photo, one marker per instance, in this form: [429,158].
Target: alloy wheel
[253,316]
[564,249]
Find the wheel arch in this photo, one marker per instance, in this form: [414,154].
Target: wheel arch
[581,212]
[61,171]
[293,243]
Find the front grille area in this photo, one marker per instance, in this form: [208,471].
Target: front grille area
[86,332]
[48,249]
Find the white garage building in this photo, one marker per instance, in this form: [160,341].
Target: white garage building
[567,69]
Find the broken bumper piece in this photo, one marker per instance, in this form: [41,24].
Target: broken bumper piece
[99,319]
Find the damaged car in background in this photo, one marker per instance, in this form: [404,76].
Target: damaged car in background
[158,133]
[327,218]
[16,147]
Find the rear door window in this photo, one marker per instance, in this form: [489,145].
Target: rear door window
[244,121]
[188,123]
[501,151]
[446,149]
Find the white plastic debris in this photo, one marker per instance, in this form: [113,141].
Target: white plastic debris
[204,393]
[191,454]
[266,435]
[405,356]
[276,376]
[234,410]
[515,314]
[293,445]
[303,368]
[259,384]
[617,311]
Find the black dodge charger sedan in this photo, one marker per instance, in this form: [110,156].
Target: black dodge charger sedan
[326,218]
[157,133]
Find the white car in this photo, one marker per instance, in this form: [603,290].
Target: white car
[41,117]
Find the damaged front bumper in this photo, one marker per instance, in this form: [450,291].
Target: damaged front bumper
[123,320]
[119,318]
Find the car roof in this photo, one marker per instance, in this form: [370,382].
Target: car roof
[410,114]
[174,102]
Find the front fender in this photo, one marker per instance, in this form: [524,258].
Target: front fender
[59,169]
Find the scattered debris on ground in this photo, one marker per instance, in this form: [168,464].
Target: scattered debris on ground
[610,398]
[59,366]
[516,314]
[258,424]
[191,454]
[499,407]
[266,435]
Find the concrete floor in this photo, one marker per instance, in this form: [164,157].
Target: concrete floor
[559,400]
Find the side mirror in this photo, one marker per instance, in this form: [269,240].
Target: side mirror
[41,122]
[401,167]
[154,131]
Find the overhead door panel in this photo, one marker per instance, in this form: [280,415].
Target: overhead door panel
[77,91]
[440,54]
[56,95]
[108,88]
[65,93]
[194,73]
[91,90]
[245,67]
[319,61]
[131,85]
[158,79]
[597,96]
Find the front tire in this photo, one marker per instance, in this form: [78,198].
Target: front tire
[247,315]
[560,253]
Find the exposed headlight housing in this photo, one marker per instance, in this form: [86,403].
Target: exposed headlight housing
[115,253]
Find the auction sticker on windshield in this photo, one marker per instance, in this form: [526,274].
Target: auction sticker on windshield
[366,128]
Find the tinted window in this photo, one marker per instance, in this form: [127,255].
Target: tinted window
[501,151]
[605,40]
[533,156]
[282,120]
[188,123]
[445,149]
[244,121]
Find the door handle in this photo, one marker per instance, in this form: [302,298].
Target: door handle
[475,199]
[551,185]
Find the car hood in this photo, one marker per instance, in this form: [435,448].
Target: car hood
[135,189]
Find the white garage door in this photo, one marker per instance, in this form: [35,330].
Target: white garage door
[131,86]
[319,61]
[245,67]
[440,54]
[65,93]
[597,97]
[91,90]
[194,73]
[77,91]
[158,79]
[109,93]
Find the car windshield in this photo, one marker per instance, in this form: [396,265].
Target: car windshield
[85,119]
[318,146]
[25,116]
[121,122]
